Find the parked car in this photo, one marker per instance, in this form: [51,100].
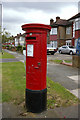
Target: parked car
[51,50]
[67,49]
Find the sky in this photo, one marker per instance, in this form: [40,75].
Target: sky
[15,14]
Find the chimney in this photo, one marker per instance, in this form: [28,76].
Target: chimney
[57,18]
[17,35]
[51,21]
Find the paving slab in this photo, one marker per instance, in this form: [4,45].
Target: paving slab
[76,92]
[9,60]
[13,111]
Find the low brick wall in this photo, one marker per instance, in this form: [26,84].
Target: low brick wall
[76,61]
[13,49]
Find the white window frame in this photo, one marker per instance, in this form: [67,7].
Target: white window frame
[53,44]
[16,40]
[53,31]
[68,30]
[77,25]
[76,42]
[68,42]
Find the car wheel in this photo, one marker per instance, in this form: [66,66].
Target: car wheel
[52,53]
[71,53]
[60,51]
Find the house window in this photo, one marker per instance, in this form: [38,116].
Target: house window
[53,31]
[76,42]
[68,30]
[22,39]
[74,30]
[68,42]
[53,44]
[77,25]
[16,40]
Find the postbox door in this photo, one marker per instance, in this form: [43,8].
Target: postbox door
[33,64]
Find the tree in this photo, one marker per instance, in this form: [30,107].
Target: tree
[6,36]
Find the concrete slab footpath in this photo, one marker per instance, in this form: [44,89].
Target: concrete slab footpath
[9,60]
[13,111]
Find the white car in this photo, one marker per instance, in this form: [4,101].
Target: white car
[51,50]
[67,49]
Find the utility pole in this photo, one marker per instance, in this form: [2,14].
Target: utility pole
[78,6]
[0,26]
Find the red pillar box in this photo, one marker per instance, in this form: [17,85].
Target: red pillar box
[36,66]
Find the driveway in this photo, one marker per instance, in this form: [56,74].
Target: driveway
[60,57]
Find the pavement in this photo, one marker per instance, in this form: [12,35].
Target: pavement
[8,60]
[13,111]
[65,75]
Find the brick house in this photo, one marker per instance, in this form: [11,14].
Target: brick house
[61,32]
[76,28]
[53,34]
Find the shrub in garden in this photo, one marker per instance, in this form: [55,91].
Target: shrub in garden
[19,48]
[3,46]
[7,46]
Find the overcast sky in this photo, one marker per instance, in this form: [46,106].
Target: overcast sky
[15,14]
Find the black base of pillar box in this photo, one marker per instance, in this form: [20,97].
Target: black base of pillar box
[36,100]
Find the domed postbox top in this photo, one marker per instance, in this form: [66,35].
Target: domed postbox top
[35,26]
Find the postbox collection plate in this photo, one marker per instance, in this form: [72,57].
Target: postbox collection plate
[30,48]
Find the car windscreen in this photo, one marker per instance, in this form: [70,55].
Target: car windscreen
[64,46]
[49,45]
[71,47]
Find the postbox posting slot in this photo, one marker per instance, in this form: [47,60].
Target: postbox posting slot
[30,38]
[36,67]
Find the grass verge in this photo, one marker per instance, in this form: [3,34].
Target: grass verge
[60,61]
[0,82]
[56,61]
[6,55]
[14,84]
[58,96]
[0,55]
[68,61]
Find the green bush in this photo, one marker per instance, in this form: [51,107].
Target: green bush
[24,47]
[19,48]
[3,45]
[7,45]
[11,47]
